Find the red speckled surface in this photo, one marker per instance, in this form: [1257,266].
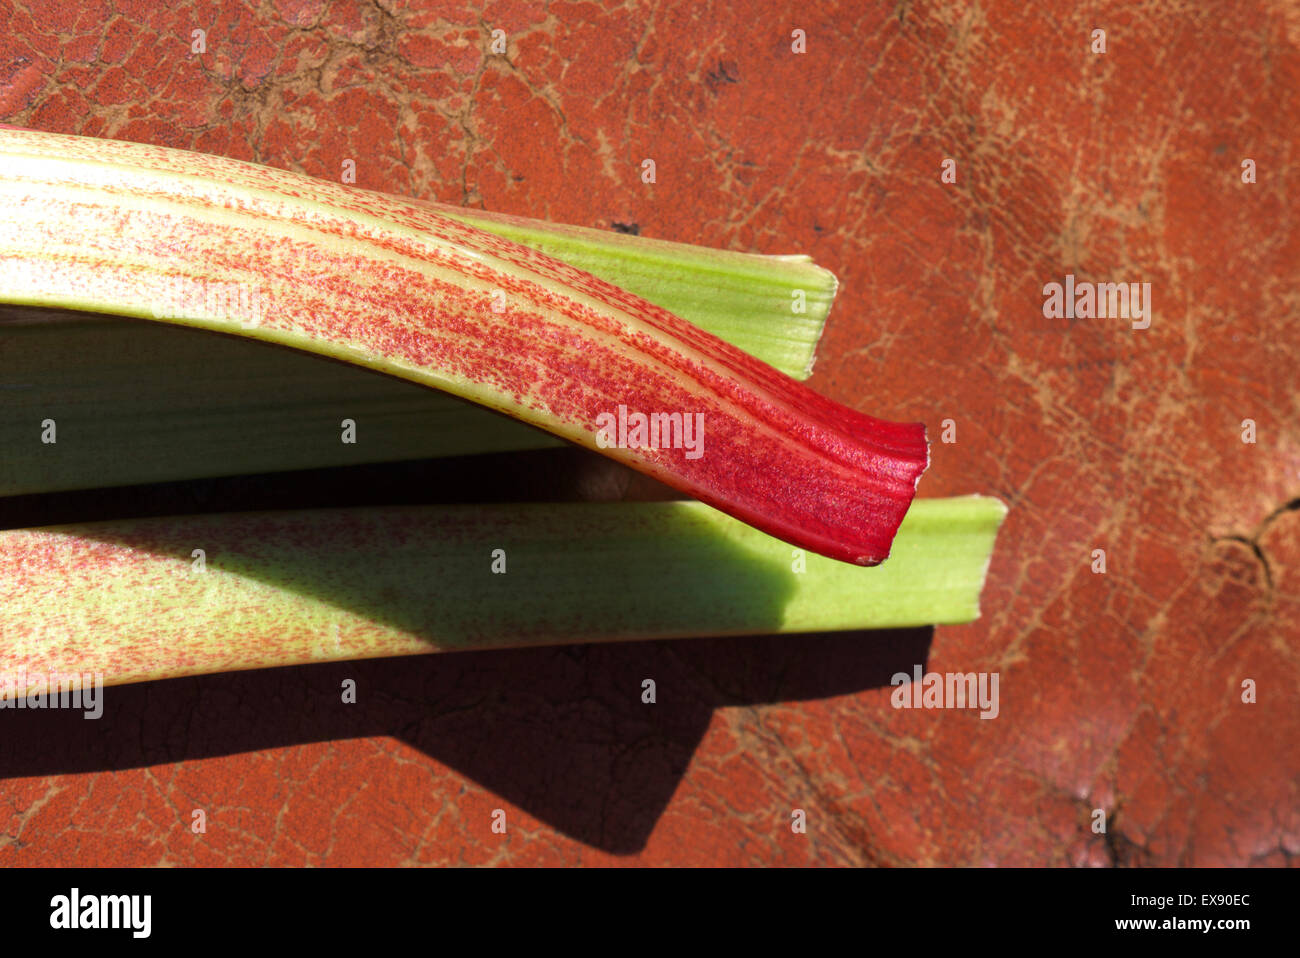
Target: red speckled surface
[1119,691]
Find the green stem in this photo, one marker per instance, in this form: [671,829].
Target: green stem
[127,598]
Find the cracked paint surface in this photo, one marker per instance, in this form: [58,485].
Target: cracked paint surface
[1119,691]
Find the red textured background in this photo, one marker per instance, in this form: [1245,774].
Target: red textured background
[1119,691]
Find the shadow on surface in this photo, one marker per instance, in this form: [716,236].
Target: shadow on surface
[560,732]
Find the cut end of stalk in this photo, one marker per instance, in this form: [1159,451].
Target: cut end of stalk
[834,282]
[996,511]
[968,527]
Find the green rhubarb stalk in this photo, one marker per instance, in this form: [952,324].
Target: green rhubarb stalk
[136,402]
[158,598]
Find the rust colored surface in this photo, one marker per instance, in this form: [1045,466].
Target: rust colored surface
[1120,691]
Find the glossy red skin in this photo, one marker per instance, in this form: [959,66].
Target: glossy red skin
[567,348]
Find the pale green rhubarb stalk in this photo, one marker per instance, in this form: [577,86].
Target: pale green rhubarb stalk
[136,600]
[401,288]
[140,402]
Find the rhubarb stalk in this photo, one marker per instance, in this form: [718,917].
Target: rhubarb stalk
[401,288]
[139,402]
[144,599]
